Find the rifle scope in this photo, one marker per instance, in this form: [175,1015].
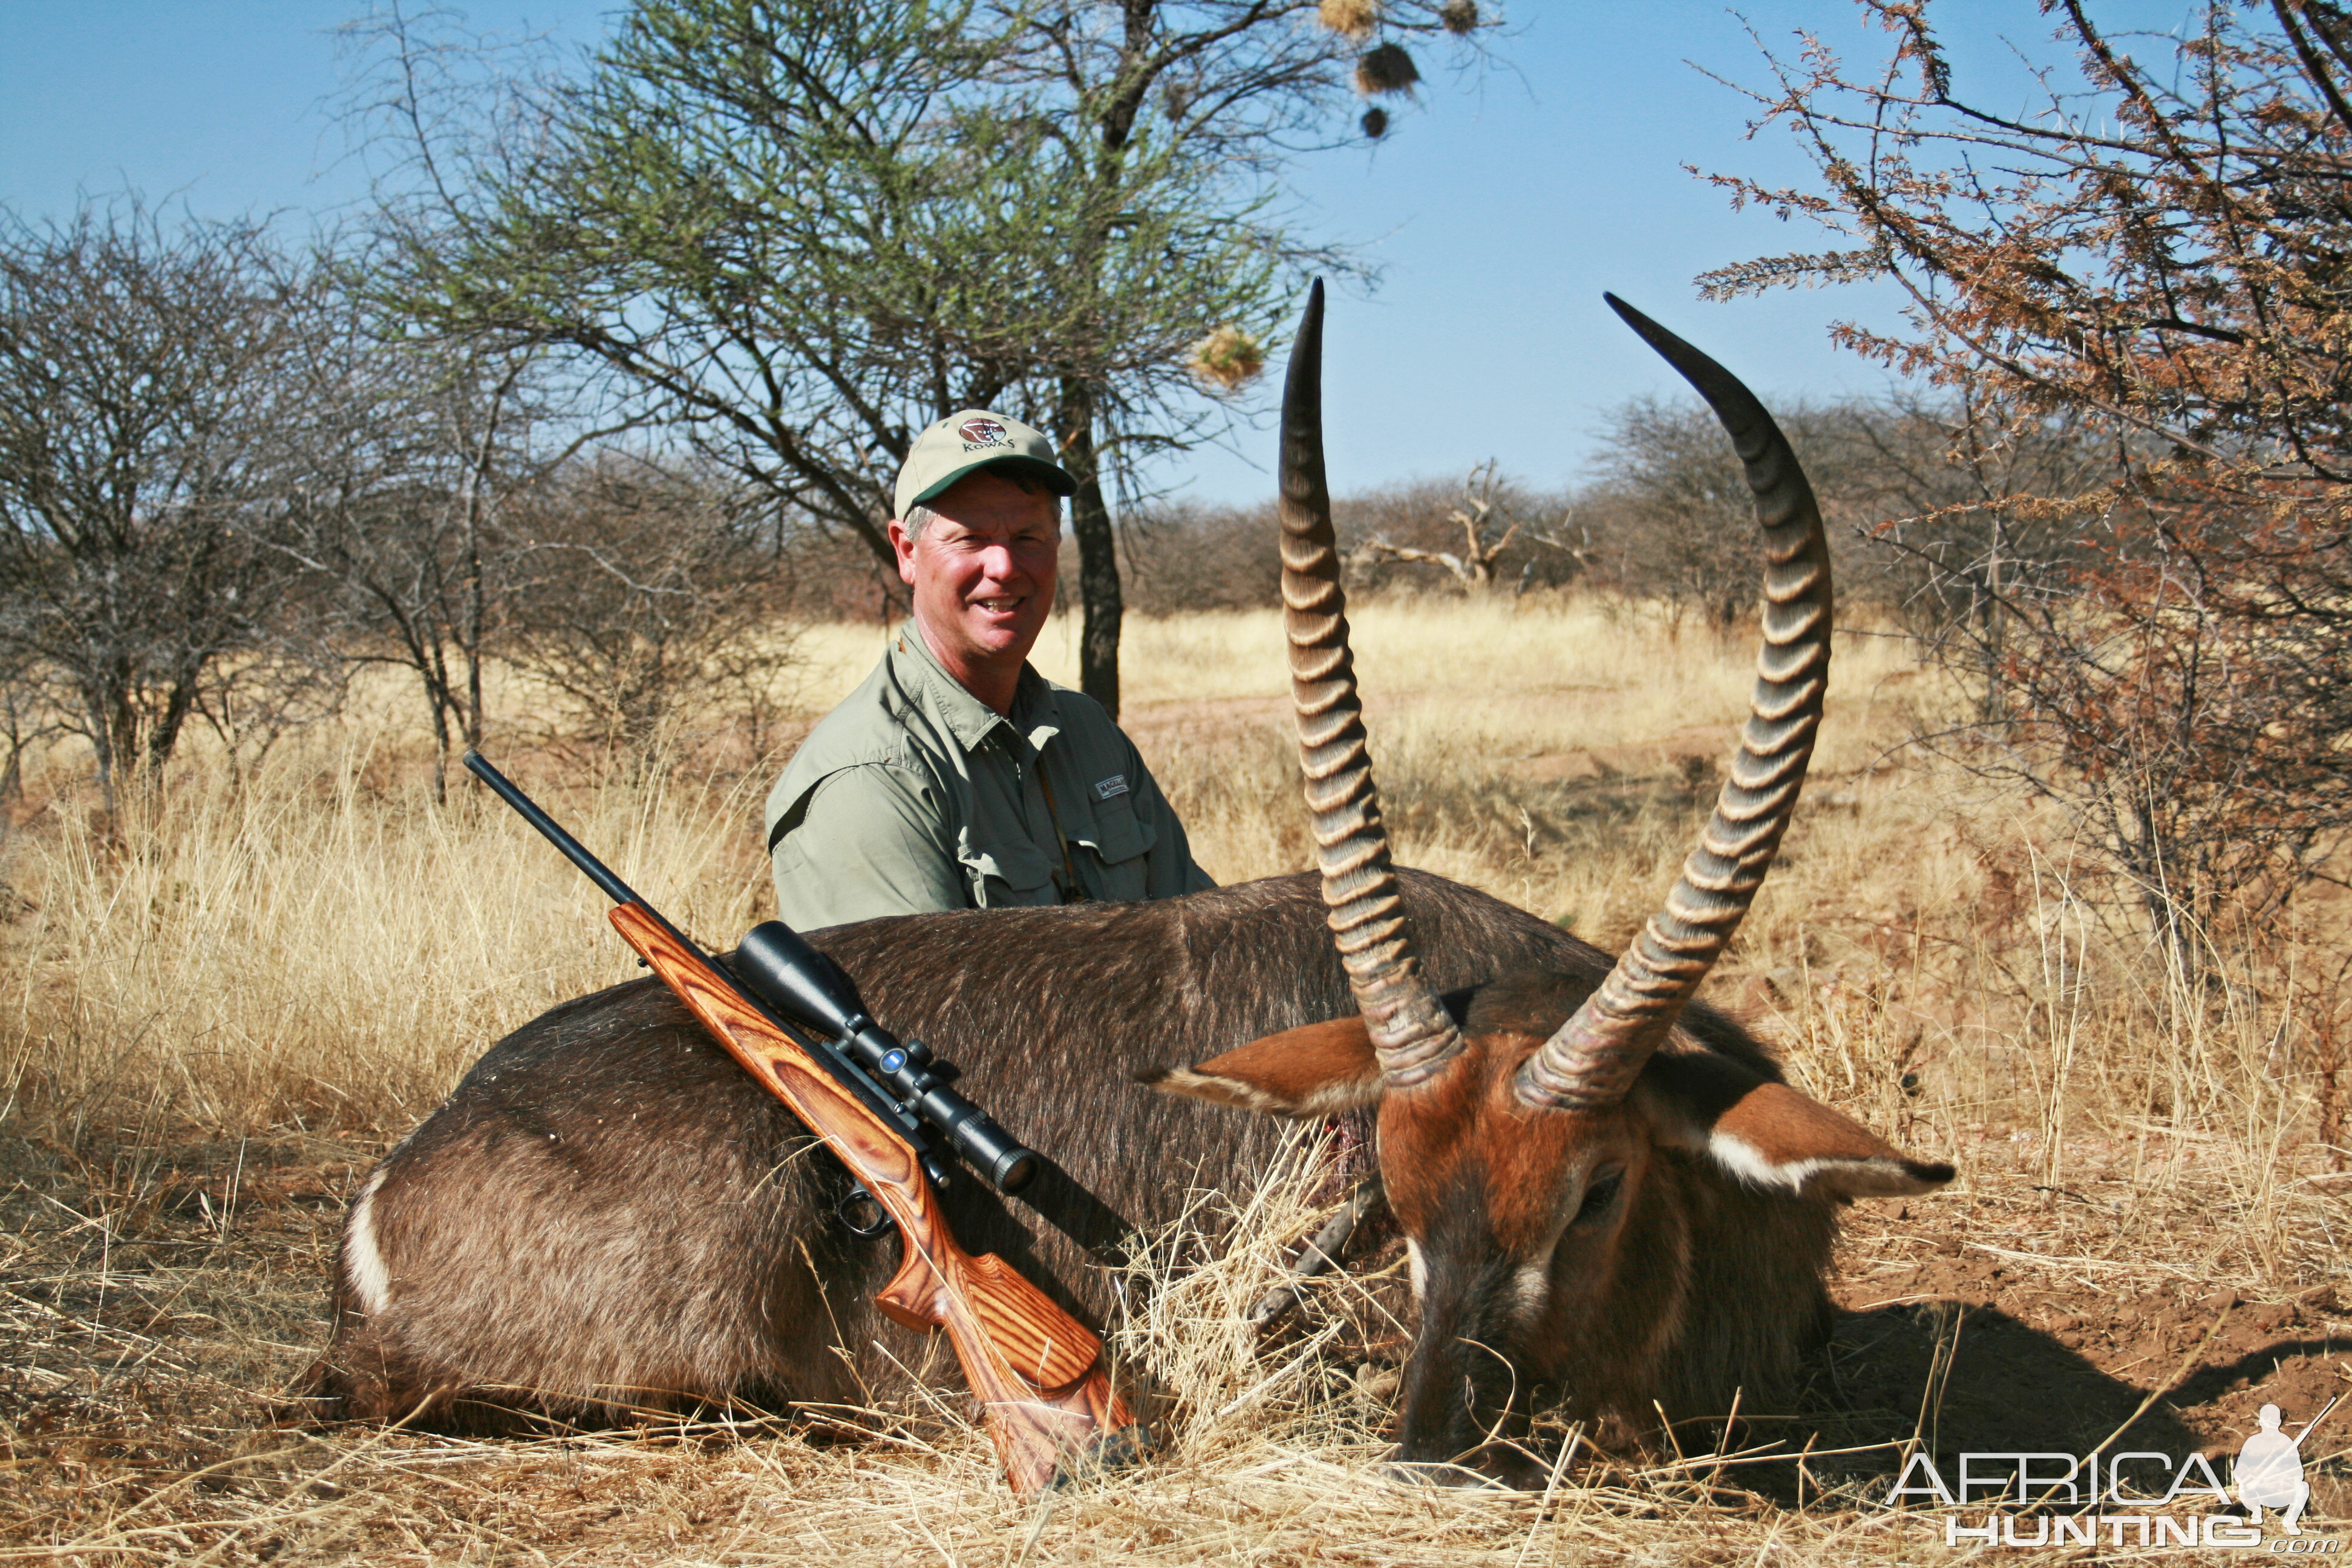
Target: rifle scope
[809,989]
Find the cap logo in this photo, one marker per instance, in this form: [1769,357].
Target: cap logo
[983,433]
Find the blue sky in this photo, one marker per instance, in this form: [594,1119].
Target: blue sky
[1499,210]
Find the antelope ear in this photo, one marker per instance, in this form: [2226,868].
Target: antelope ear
[1770,1136]
[1318,1070]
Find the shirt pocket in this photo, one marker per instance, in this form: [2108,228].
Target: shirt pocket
[1116,844]
[1006,875]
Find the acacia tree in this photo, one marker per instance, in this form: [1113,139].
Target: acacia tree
[1671,502]
[419,448]
[644,591]
[801,231]
[146,453]
[1669,515]
[1935,501]
[740,214]
[2161,252]
[1193,110]
[1964,504]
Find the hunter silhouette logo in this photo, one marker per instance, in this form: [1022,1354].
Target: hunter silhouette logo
[2270,1471]
[2134,1497]
[983,433]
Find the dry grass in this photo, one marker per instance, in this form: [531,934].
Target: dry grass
[219,1009]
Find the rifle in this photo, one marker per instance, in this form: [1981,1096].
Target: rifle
[793,1021]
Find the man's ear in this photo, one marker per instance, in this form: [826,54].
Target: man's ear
[1770,1136]
[1318,1070]
[902,545]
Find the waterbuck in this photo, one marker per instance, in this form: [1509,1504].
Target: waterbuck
[1610,1197]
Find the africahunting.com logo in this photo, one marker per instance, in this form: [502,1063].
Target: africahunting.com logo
[2064,1500]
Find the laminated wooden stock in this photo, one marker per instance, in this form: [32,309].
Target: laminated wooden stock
[1037,1371]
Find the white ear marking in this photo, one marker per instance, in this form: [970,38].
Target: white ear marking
[1329,1097]
[1850,1177]
[1747,1162]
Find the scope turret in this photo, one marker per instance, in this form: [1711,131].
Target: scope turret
[809,989]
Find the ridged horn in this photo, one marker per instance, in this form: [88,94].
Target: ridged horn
[1593,1060]
[1410,1027]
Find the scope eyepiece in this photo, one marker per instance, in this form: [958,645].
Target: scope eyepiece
[989,1150]
[1009,1167]
[1016,1172]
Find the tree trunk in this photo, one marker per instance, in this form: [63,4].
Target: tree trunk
[12,778]
[471,632]
[1994,586]
[113,732]
[437,698]
[165,736]
[1098,590]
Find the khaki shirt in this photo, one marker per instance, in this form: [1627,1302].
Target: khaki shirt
[914,794]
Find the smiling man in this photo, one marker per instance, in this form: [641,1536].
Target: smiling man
[955,776]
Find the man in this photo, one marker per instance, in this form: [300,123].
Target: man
[957,777]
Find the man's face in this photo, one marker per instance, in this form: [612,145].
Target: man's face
[983,571]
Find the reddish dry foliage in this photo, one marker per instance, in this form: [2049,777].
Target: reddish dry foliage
[2163,249]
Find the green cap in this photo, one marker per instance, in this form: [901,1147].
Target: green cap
[973,439]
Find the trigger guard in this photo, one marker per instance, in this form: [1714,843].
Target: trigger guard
[883,1225]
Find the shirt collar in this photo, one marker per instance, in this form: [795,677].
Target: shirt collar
[1036,715]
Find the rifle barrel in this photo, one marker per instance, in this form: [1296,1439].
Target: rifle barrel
[2316,1420]
[828,1054]
[786,976]
[528,810]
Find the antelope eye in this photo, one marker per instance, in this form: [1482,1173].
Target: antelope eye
[1599,1197]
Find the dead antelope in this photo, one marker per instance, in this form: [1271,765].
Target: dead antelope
[1610,1197]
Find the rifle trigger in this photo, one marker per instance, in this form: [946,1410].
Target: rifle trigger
[880,1225]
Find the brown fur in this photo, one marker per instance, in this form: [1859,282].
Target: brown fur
[606,1214]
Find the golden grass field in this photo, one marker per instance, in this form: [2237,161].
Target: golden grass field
[221,1005]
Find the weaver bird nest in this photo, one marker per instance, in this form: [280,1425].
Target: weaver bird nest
[1459,17]
[1227,359]
[1349,19]
[1387,69]
[1375,123]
